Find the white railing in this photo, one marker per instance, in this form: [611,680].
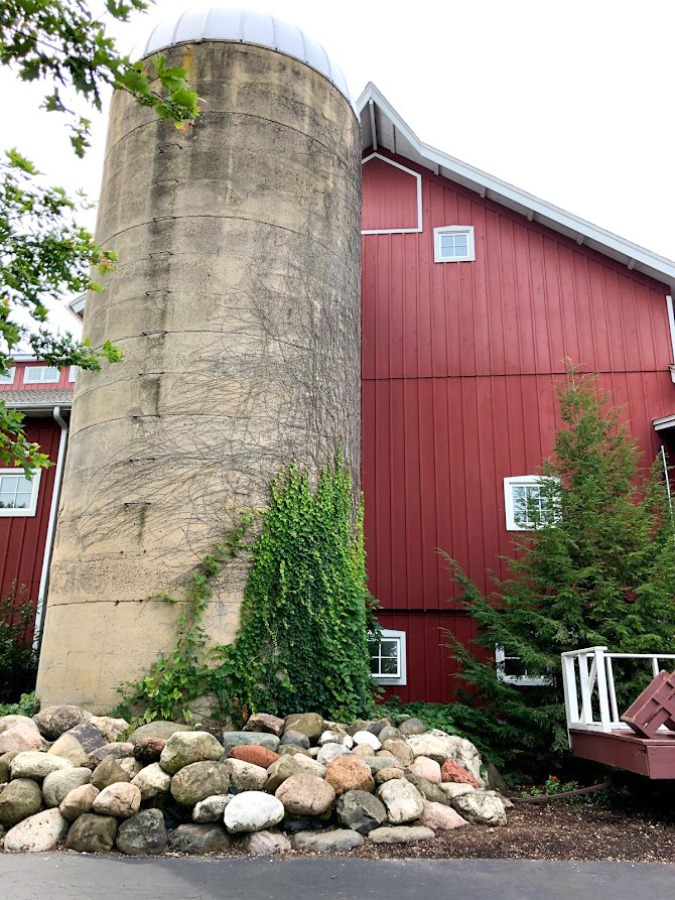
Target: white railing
[590,688]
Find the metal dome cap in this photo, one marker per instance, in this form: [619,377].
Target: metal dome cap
[243,27]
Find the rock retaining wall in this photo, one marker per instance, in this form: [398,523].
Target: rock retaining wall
[69,779]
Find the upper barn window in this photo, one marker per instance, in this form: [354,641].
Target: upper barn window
[41,375]
[530,502]
[454,243]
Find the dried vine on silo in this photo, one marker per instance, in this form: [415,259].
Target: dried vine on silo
[302,642]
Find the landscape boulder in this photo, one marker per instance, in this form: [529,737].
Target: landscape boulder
[53,721]
[255,755]
[120,800]
[310,724]
[152,781]
[253,811]
[245,776]
[20,799]
[144,834]
[439,817]
[402,801]
[266,843]
[211,809]
[198,840]
[453,771]
[481,808]
[184,748]
[58,785]
[37,834]
[305,795]
[107,772]
[262,722]
[36,765]
[360,811]
[78,801]
[157,729]
[198,781]
[92,834]
[402,834]
[337,840]
[349,773]
[20,737]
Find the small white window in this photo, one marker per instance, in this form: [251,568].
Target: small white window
[454,243]
[510,670]
[72,373]
[41,375]
[527,503]
[8,377]
[18,494]
[388,657]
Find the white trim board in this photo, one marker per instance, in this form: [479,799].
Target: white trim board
[385,128]
[418,181]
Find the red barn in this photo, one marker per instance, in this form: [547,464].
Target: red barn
[28,507]
[473,294]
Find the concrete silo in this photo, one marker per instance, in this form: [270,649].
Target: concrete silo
[236,303]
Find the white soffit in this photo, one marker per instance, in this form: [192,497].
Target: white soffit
[381,126]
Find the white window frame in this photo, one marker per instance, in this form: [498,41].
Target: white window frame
[520,481]
[35,484]
[9,377]
[455,229]
[401,677]
[44,372]
[72,373]
[519,680]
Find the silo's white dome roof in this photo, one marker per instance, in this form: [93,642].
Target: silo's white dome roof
[243,27]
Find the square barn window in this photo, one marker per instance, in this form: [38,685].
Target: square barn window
[41,375]
[454,243]
[388,657]
[528,504]
[18,495]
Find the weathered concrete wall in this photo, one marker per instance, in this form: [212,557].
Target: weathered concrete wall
[236,302]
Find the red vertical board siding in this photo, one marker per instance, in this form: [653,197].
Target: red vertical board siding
[389,196]
[460,363]
[22,538]
[19,385]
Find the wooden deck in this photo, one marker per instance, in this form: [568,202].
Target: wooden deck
[652,757]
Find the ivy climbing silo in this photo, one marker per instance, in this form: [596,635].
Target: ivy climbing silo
[236,302]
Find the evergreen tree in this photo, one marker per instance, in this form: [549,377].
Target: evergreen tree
[597,569]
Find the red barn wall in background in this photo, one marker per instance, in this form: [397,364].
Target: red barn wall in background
[459,363]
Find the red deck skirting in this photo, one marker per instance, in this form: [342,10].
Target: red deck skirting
[653,757]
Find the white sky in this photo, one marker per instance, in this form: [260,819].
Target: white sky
[573,101]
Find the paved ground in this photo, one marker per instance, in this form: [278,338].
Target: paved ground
[64,877]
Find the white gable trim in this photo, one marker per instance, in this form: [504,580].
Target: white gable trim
[383,127]
[418,182]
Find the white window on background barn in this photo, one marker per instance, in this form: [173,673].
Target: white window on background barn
[72,373]
[8,377]
[18,494]
[510,670]
[528,503]
[41,375]
[388,657]
[454,243]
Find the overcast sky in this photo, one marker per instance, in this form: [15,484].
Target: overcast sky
[573,102]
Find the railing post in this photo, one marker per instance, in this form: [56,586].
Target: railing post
[569,674]
[603,698]
[585,688]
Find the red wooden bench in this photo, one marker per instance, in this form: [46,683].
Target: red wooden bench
[654,707]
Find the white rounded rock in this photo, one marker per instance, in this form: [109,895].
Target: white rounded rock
[402,801]
[36,765]
[152,781]
[37,834]
[252,811]
[121,800]
[365,737]
[211,809]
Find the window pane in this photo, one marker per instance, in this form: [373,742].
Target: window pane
[389,648]
[460,243]
[390,666]
[22,501]
[7,501]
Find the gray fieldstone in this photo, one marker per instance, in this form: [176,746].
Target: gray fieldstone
[68,747]
[156,729]
[211,809]
[389,733]
[293,750]
[481,808]
[336,737]
[143,834]
[188,747]
[20,799]
[338,840]
[451,789]
[198,840]
[245,776]
[266,843]
[37,834]
[92,834]
[402,800]
[295,738]
[88,736]
[152,781]
[58,785]
[305,795]
[78,802]
[253,811]
[360,811]
[121,800]
[5,761]
[116,750]
[198,781]
[329,752]
[262,722]
[130,765]
[237,738]
[35,765]
[110,728]
[402,834]
[412,726]
[388,774]
[107,772]
[310,724]
[376,763]
[53,721]
[431,792]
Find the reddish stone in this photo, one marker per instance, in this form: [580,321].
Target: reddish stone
[452,771]
[349,773]
[255,754]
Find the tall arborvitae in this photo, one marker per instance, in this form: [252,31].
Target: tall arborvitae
[599,571]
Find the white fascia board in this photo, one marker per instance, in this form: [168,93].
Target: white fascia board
[664,423]
[657,267]
[34,405]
